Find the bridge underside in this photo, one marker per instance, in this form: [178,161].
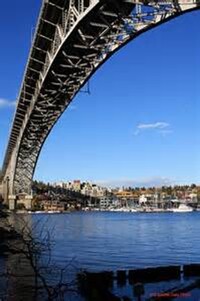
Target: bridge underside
[73,39]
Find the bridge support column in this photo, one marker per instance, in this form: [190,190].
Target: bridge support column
[1,191]
[28,202]
[12,202]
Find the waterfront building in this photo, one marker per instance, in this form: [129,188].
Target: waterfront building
[193,197]
[58,184]
[105,202]
[126,195]
[142,199]
[53,206]
[68,185]
[76,185]
[93,190]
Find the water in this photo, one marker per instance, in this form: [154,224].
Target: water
[99,241]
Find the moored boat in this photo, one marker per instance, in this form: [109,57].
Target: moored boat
[182,208]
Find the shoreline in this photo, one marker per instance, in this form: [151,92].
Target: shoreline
[119,210]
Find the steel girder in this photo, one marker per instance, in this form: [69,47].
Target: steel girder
[72,40]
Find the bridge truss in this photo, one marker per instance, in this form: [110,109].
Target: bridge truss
[73,39]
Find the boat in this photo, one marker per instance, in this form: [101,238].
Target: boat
[182,208]
[133,210]
[36,212]
[123,209]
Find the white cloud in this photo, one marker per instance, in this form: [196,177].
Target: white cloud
[156,125]
[160,126]
[5,103]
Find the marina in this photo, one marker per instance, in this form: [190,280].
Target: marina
[182,208]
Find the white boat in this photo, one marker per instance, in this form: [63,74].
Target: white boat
[123,209]
[133,210]
[182,208]
[36,212]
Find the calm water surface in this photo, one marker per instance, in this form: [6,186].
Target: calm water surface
[110,241]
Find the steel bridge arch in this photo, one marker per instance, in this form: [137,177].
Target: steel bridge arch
[80,45]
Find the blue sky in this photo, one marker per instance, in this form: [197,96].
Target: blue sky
[140,125]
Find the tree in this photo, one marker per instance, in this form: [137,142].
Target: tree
[31,264]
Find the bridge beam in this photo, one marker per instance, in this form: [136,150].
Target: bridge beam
[70,44]
[12,197]
[12,202]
